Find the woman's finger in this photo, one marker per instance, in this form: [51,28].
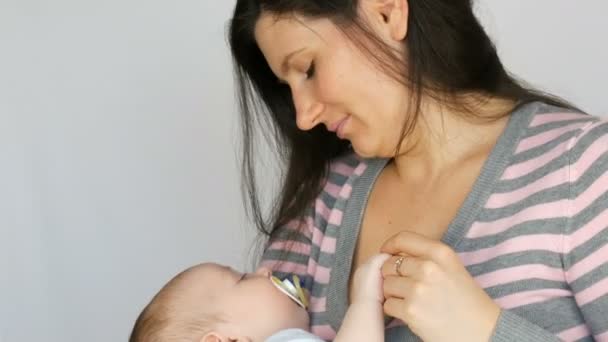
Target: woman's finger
[396,307]
[420,246]
[408,266]
[398,287]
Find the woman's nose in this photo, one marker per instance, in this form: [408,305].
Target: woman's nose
[308,110]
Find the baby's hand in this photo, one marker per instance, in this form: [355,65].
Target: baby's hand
[367,281]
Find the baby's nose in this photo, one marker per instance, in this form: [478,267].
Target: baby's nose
[263,271]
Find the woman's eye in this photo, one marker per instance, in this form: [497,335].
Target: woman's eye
[311,70]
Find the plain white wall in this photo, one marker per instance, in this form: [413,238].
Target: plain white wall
[557,45]
[117,159]
[118,166]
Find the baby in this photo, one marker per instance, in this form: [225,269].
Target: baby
[214,303]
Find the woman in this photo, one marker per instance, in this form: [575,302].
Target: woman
[401,132]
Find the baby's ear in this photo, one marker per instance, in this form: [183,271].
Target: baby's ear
[215,337]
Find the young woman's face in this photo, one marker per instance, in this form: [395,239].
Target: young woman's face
[333,83]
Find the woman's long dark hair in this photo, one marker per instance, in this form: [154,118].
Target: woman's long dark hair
[449,56]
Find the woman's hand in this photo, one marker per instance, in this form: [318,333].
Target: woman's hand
[432,292]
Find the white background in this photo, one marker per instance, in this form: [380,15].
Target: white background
[117,157]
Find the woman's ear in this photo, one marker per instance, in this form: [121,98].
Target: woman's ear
[391,15]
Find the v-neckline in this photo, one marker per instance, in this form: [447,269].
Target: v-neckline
[492,169]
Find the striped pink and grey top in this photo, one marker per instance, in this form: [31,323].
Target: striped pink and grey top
[533,231]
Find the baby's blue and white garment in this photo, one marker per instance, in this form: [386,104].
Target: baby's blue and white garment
[294,335]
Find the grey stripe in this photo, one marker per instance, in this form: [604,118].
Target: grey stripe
[508,185]
[548,195]
[327,199]
[525,285]
[337,178]
[591,278]
[279,255]
[533,131]
[533,227]
[540,150]
[589,213]
[596,313]
[586,140]
[295,236]
[517,259]
[595,171]
[555,315]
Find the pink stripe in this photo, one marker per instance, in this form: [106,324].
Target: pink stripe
[545,137]
[541,211]
[540,119]
[530,297]
[325,243]
[300,227]
[591,154]
[586,233]
[322,210]
[591,262]
[332,216]
[360,169]
[500,200]
[328,245]
[575,333]
[346,191]
[517,273]
[318,304]
[341,168]
[593,292]
[524,168]
[332,189]
[335,217]
[595,151]
[321,274]
[603,337]
[550,210]
[285,267]
[540,242]
[325,332]
[291,246]
[316,236]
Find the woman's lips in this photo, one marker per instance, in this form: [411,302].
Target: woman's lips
[341,127]
[338,127]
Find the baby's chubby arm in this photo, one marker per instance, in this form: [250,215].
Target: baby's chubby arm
[364,320]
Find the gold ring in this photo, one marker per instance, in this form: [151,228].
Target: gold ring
[398,263]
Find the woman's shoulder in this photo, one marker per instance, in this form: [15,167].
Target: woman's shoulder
[555,130]
[549,117]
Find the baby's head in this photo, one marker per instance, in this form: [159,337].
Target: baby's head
[212,303]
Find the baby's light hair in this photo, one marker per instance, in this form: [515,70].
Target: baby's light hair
[162,320]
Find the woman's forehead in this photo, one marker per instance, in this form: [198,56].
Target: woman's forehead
[287,31]
[279,36]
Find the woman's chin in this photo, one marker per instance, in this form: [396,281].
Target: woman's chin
[364,150]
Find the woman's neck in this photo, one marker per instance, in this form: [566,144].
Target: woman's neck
[444,138]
